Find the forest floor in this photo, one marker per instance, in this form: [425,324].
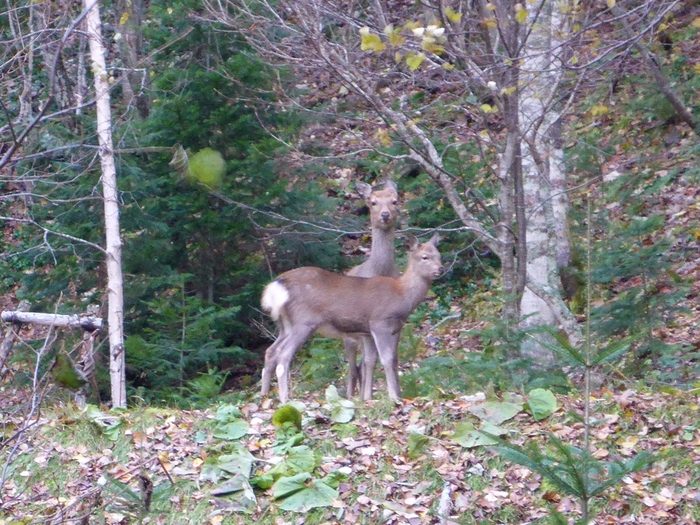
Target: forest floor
[150,465]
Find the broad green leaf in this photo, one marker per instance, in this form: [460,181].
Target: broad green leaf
[417,444]
[227,413]
[341,414]
[469,436]
[316,494]
[264,481]
[332,394]
[108,424]
[299,459]
[233,430]
[238,462]
[335,478]
[541,403]
[496,412]
[288,485]
[342,410]
[238,494]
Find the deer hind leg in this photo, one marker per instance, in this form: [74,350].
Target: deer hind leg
[369,361]
[295,339]
[271,362]
[386,340]
[351,346]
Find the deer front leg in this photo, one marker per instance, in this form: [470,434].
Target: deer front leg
[369,361]
[353,370]
[386,339]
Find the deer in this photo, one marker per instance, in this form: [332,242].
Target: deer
[384,213]
[309,299]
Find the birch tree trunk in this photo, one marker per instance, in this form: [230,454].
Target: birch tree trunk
[115,284]
[544,177]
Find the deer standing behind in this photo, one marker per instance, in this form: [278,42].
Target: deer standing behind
[309,299]
[384,213]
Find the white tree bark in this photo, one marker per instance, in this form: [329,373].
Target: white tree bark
[544,175]
[115,284]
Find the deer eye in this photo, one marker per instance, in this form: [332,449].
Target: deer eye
[374,203]
[394,203]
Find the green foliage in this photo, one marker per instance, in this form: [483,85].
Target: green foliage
[342,410]
[65,374]
[287,414]
[572,470]
[633,265]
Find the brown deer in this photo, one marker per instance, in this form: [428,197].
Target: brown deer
[384,213]
[309,299]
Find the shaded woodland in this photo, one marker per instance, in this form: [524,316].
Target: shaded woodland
[551,375]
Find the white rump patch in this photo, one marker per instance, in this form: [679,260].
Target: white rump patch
[274,297]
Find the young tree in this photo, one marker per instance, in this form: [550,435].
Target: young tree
[113,249]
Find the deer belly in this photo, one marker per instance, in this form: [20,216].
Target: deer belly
[340,328]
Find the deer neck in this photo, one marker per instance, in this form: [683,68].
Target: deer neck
[414,286]
[381,258]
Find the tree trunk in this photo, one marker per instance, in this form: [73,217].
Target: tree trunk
[544,180]
[115,285]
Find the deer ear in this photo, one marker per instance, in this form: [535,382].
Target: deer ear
[364,189]
[434,239]
[390,184]
[411,241]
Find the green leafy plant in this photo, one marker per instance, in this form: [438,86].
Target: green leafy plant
[574,470]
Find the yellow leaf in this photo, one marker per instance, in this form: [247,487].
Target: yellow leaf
[371,42]
[411,25]
[414,60]
[448,66]
[487,108]
[398,56]
[611,3]
[429,45]
[490,22]
[508,91]
[395,39]
[696,22]
[123,20]
[452,15]
[573,61]
[599,110]
[490,6]
[384,137]
[521,16]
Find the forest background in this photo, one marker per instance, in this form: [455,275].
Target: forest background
[592,186]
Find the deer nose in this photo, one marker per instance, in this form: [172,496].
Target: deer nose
[386,215]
